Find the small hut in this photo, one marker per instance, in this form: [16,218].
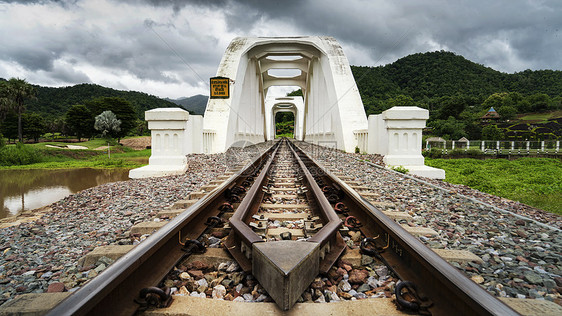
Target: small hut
[435,142]
[462,143]
[490,115]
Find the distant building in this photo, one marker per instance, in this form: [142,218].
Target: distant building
[490,115]
[462,143]
[435,142]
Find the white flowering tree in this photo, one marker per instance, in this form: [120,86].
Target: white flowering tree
[107,123]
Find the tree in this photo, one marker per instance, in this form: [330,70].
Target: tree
[122,109]
[296,93]
[539,102]
[506,112]
[401,100]
[14,92]
[33,125]
[80,121]
[55,125]
[9,126]
[450,128]
[451,106]
[107,123]
[492,132]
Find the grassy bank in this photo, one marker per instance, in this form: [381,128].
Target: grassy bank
[533,181]
[41,156]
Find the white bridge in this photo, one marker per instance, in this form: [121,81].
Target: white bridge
[330,111]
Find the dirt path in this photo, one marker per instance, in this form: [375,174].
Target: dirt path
[138,143]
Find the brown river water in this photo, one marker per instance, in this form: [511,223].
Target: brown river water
[31,189]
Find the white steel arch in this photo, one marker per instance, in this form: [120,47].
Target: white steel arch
[331,110]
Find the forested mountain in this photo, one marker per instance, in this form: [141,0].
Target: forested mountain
[195,105]
[427,76]
[55,102]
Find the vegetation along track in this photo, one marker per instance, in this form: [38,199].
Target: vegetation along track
[286,221]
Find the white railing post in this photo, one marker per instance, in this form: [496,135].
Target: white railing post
[557,146]
[542,146]
[482,145]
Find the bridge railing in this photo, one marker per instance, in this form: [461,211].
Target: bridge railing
[208,140]
[361,136]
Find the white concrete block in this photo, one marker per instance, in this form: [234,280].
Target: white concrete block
[426,171]
[168,130]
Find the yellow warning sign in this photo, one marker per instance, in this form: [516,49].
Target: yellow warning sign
[220,88]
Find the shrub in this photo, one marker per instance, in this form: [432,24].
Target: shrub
[2,142]
[433,153]
[357,150]
[400,169]
[19,155]
[474,153]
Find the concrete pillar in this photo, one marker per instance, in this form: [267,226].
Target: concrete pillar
[168,130]
[194,135]
[397,134]
[404,126]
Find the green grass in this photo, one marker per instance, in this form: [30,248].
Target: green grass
[533,181]
[40,157]
[541,117]
[91,144]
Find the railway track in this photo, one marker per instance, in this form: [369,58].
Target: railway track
[284,216]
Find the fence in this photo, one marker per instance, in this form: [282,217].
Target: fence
[499,147]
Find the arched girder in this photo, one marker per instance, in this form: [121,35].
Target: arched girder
[269,80]
[267,64]
[331,104]
[284,104]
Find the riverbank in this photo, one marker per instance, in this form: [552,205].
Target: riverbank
[91,154]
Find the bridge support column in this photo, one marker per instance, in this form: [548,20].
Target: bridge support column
[169,143]
[397,134]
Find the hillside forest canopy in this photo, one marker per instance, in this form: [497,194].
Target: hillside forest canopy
[456,91]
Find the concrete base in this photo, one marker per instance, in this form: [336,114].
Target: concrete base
[196,306]
[156,171]
[403,160]
[111,251]
[33,304]
[425,171]
[285,268]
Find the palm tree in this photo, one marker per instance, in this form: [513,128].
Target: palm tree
[13,93]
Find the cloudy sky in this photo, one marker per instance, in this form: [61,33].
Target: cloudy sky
[170,48]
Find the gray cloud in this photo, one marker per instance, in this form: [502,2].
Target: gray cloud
[157,46]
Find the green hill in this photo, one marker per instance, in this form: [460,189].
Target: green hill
[195,105]
[426,77]
[54,102]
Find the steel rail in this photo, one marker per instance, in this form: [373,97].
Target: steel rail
[326,211]
[250,204]
[450,290]
[113,291]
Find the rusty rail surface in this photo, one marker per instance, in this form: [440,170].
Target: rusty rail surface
[242,233]
[450,291]
[285,277]
[114,291]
